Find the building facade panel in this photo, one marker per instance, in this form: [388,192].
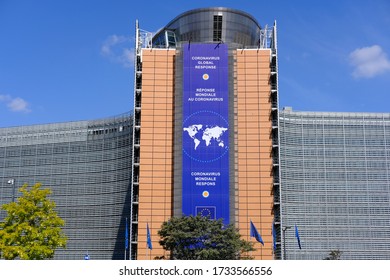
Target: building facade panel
[250,133]
[152,155]
[155,172]
[327,173]
[86,165]
[328,184]
[255,202]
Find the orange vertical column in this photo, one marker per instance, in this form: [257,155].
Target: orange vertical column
[156,166]
[254,144]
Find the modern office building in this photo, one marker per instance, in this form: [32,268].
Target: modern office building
[87,165]
[206,113]
[335,178]
[206,137]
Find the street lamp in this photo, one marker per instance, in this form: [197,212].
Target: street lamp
[284,242]
[12,182]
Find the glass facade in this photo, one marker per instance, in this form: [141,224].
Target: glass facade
[237,28]
[326,173]
[87,165]
[335,184]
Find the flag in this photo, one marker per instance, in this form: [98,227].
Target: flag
[297,236]
[206,211]
[148,239]
[254,233]
[126,236]
[274,236]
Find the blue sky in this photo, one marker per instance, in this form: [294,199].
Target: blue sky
[70,60]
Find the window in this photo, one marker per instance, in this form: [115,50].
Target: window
[217,33]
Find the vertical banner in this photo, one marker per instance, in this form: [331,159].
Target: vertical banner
[205,131]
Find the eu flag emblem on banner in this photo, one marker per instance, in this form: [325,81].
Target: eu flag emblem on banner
[297,236]
[206,211]
[148,238]
[254,233]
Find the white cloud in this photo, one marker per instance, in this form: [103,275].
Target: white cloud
[15,104]
[4,97]
[369,62]
[117,49]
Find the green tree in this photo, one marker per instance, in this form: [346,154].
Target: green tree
[200,238]
[334,255]
[32,228]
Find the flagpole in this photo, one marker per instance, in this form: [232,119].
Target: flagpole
[146,248]
[250,236]
[125,236]
[284,242]
[126,239]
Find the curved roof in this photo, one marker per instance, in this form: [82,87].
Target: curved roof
[216,9]
[213,24]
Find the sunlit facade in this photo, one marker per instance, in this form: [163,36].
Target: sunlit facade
[335,184]
[87,165]
[178,169]
[206,137]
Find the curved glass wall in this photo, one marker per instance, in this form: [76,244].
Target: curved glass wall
[335,184]
[210,25]
[87,165]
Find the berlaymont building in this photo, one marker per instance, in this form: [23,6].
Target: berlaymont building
[206,137]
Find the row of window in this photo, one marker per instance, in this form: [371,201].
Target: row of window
[64,148]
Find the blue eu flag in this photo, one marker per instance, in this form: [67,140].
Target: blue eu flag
[254,233]
[297,236]
[206,211]
[148,238]
[126,236]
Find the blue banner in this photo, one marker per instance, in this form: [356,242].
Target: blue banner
[205,131]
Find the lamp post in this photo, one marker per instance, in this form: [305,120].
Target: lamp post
[284,242]
[12,182]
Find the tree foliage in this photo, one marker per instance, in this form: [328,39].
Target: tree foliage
[334,255]
[200,238]
[32,228]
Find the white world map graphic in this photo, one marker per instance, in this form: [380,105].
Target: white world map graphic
[208,133]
